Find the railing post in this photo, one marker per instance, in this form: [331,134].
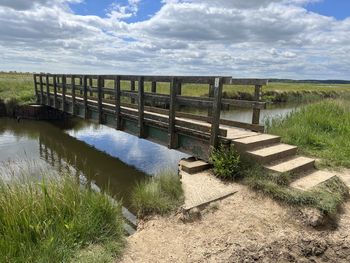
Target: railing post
[90,84]
[141,105]
[172,114]
[257,97]
[153,91]
[73,93]
[41,89]
[64,87]
[48,101]
[55,91]
[80,85]
[211,95]
[215,124]
[85,98]
[99,98]
[117,103]
[36,88]
[132,88]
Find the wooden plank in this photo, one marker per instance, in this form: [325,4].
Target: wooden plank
[55,91]
[132,88]
[99,98]
[215,124]
[86,108]
[256,111]
[117,103]
[41,89]
[141,104]
[64,81]
[73,95]
[172,114]
[261,82]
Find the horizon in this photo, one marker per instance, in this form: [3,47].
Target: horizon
[283,39]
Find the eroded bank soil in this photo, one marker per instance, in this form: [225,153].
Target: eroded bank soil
[245,227]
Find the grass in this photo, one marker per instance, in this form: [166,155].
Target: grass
[160,194]
[56,221]
[321,130]
[17,86]
[326,197]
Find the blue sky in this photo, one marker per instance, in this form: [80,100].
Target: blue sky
[146,8]
[339,9]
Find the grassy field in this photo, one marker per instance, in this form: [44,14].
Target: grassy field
[321,130]
[20,86]
[57,221]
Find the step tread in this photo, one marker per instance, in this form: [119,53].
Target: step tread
[256,138]
[290,164]
[192,167]
[312,179]
[271,150]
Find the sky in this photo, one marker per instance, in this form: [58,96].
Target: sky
[298,39]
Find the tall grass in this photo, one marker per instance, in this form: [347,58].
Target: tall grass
[49,221]
[321,130]
[158,195]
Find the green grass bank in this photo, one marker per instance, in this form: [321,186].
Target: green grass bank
[320,130]
[57,221]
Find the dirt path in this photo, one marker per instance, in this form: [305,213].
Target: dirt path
[245,227]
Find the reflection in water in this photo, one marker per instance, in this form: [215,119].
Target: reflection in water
[60,147]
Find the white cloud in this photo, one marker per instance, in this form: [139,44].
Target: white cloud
[266,38]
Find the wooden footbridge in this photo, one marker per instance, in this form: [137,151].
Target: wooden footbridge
[150,106]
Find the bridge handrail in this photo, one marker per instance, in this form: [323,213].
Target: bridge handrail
[214,103]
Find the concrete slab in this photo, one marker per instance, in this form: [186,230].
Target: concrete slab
[255,141]
[312,179]
[194,166]
[273,153]
[203,188]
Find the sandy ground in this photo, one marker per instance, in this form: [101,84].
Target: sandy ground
[245,227]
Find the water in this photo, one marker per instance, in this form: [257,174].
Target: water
[246,115]
[97,155]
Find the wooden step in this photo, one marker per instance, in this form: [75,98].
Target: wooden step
[192,167]
[295,164]
[312,179]
[272,153]
[252,142]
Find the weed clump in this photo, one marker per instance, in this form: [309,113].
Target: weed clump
[160,194]
[226,161]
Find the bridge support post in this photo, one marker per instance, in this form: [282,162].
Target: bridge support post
[36,88]
[117,102]
[215,125]
[141,107]
[153,90]
[90,85]
[211,95]
[64,81]
[257,97]
[99,98]
[41,89]
[85,98]
[172,114]
[55,91]
[48,101]
[73,94]
[132,88]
